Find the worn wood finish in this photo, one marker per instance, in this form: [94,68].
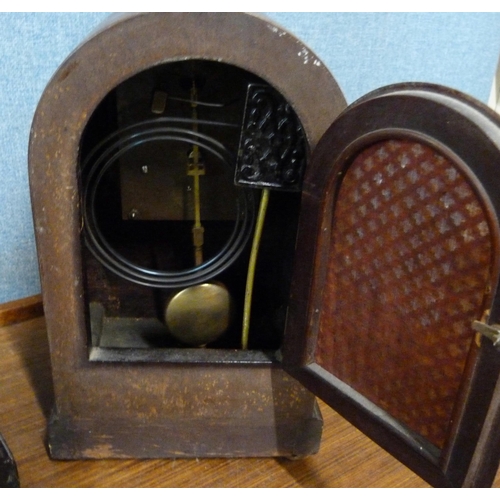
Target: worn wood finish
[159,408]
[152,409]
[20,310]
[415,112]
[346,457]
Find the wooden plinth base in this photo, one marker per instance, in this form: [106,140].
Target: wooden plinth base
[190,438]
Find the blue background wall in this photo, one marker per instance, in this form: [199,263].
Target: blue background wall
[364,51]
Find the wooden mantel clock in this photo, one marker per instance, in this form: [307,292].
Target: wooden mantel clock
[221,239]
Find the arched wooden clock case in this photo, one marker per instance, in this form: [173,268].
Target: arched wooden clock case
[377,274]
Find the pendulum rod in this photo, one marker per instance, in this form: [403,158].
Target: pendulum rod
[199,314]
[195,169]
[251,267]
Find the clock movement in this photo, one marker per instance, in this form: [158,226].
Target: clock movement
[220,239]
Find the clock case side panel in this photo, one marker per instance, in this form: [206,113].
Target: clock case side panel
[448,120]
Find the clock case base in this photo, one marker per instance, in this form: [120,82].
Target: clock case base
[281,419]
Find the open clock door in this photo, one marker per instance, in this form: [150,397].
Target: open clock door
[397,257]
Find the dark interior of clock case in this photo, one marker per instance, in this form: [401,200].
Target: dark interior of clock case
[140,153]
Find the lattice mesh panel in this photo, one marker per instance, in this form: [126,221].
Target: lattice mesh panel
[408,272]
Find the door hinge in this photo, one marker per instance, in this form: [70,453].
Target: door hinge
[490,331]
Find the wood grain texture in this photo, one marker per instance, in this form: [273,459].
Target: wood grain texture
[21,310]
[346,458]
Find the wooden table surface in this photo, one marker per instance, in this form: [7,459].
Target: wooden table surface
[346,458]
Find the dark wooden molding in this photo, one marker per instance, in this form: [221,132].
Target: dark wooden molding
[413,112]
[21,310]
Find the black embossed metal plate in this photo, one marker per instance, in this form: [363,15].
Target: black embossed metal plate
[272,150]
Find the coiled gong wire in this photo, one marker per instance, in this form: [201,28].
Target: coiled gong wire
[106,155]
